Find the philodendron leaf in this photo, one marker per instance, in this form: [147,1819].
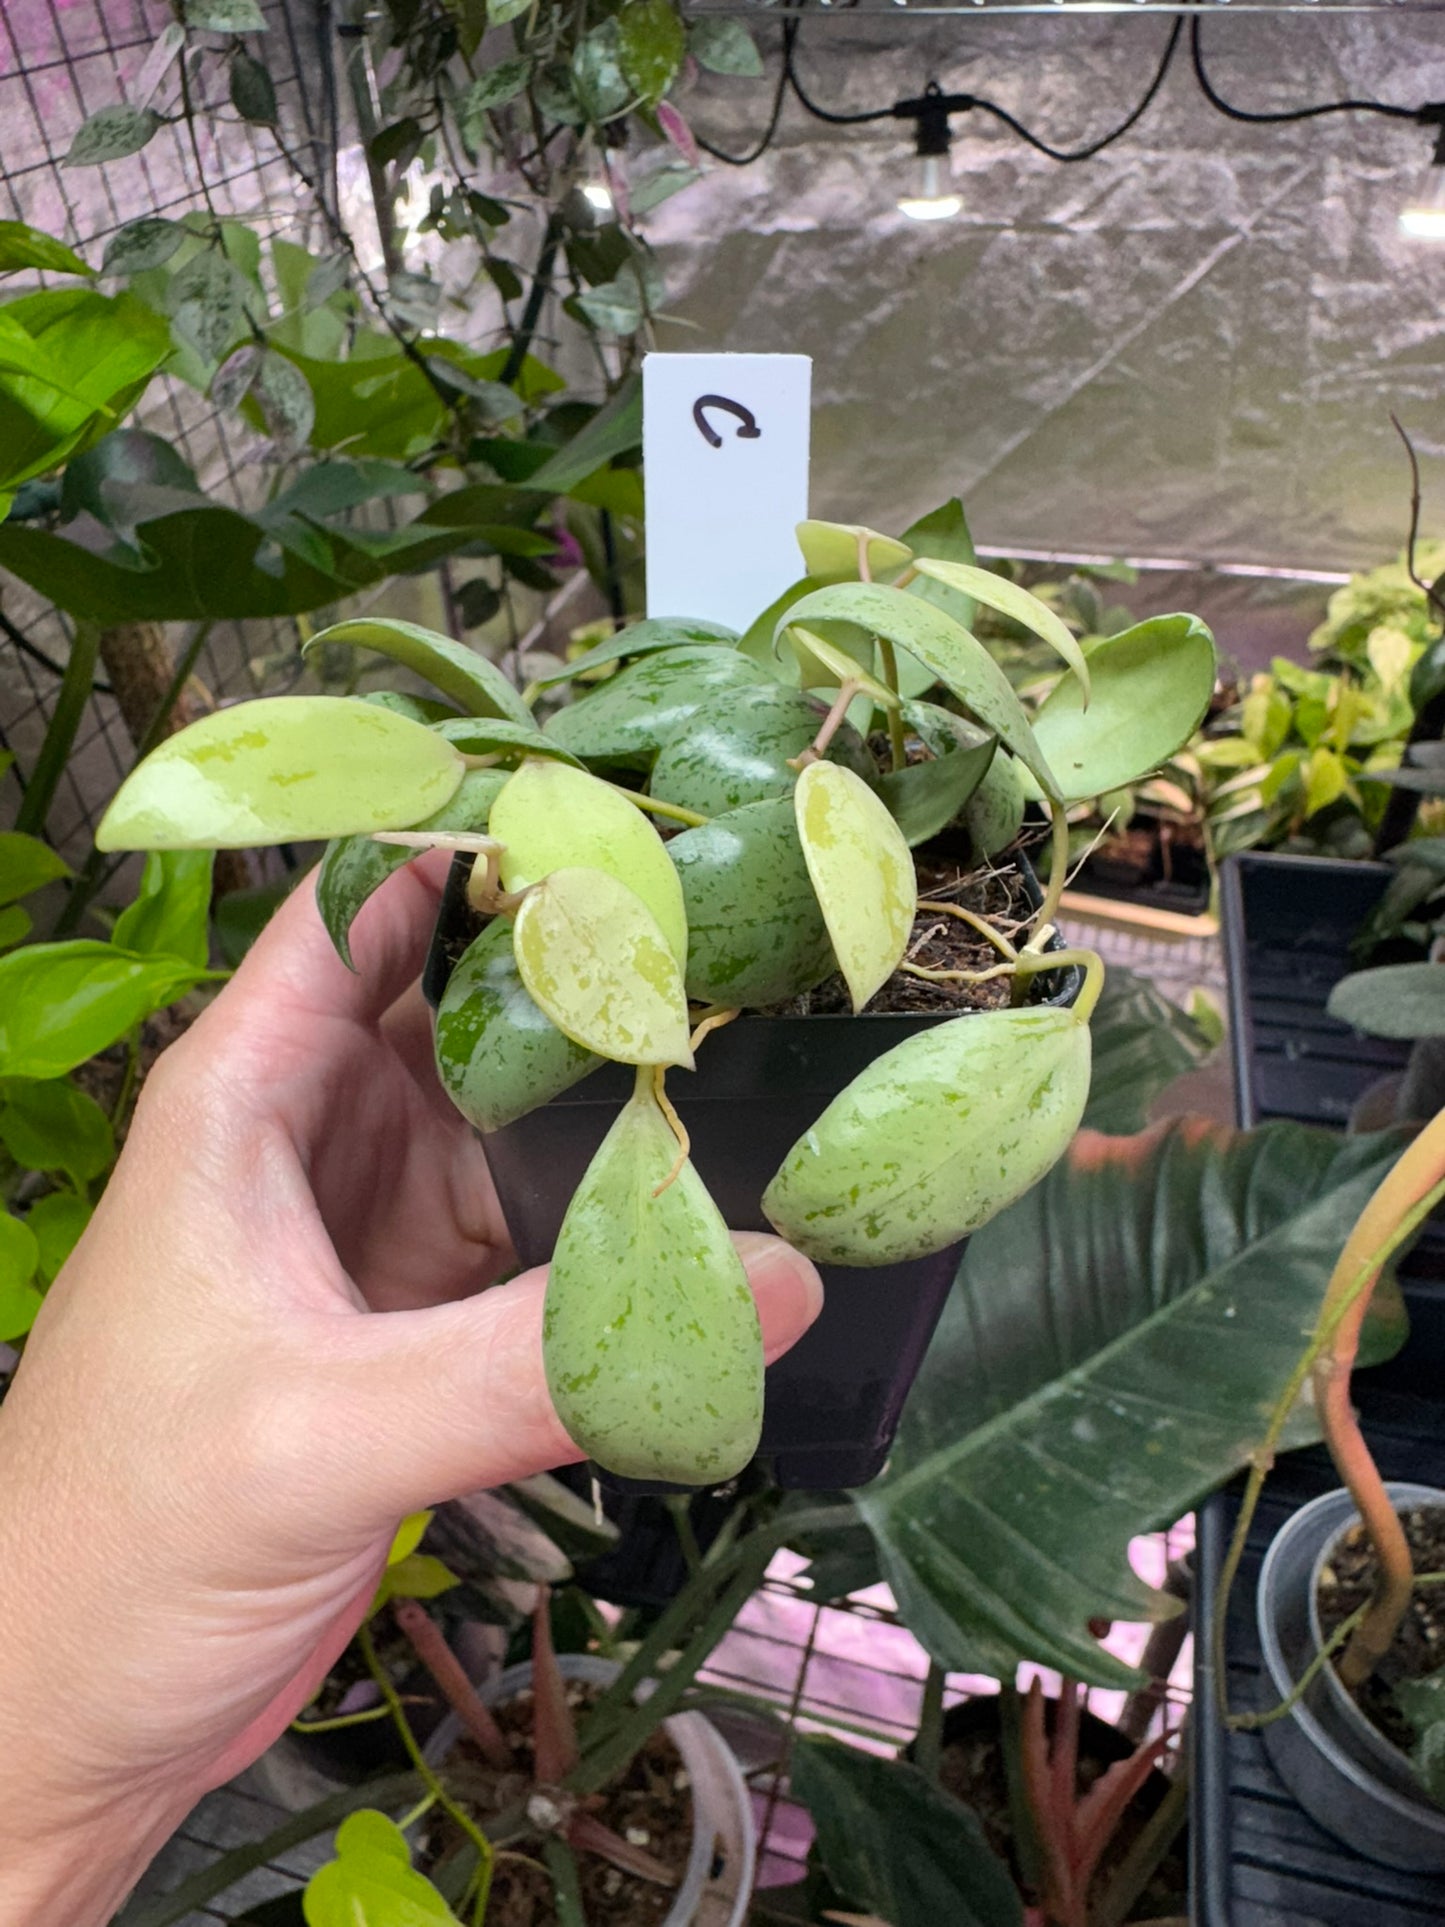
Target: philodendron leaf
[1113,1348]
[897,1844]
[833,549]
[958,659]
[171,915]
[354,866]
[473,683]
[923,797]
[738,748]
[49,1124]
[551,817]
[645,639]
[628,718]
[596,960]
[997,592]
[371,1882]
[935,1137]
[755,934]
[498,1055]
[650,1336]
[823,665]
[862,874]
[1395,1000]
[283,769]
[1151,687]
[62,1002]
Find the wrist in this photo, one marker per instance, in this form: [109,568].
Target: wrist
[74,1868]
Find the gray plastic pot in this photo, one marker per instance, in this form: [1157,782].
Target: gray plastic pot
[718,1881]
[1342,1772]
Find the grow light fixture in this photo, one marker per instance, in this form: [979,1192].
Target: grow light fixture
[1423,218]
[935,200]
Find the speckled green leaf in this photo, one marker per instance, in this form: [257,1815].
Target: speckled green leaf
[500,737]
[862,874]
[595,959]
[645,639]
[736,748]
[1151,684]
[627,719]
[354,866]
[473,683]
[651,44]
[551,817]
[830,549]
[755,934]
[758,638]
[935,1137]
[498,1055]
[997,592]
[923,797]
[994,814]
[957,658]
[650,1335]
[943,535]
[283,769]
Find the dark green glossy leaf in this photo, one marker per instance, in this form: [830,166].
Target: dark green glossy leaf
[1151,687]
[628,718]
[755,934]
[923,797]
[1142,1042]
[899,1846]
[615,430]
[253,92]
[355,866]
[171,913]
[1112,1349]
[757,641]
[26,864]
[22,246]
[650,1335]
[1394,1000]
[498,1055]
[460,673]
[645,638]
[116,480]
[736,749]
[62,1002]
[50,1125]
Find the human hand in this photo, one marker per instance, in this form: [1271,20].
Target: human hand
[211,1440]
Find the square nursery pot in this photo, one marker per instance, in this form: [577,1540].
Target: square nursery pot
[834,1401]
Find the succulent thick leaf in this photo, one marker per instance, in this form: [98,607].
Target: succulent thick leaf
[956,658]
[645,638]
[1395,1000]
[283,769]
[923,797]
[1150,688]
[499,1056]
[755,934]
[897,1845]
[862,874]
[994,814]
[1142,1042]
[1112,1349]
[935,1137]
[831,549]
[628,718]
[650,1336]
[355,866]
[997,592]
[472,683]
[822,664]
[595,959]
[738,748]
[551,817]
[500,737]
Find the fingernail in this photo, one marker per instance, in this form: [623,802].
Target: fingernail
[786,1284]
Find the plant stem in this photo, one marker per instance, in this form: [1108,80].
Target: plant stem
[441,1662]
[927,1746]
[60,734]
[673,811]
[1027,1850]
[1058,867]
[828,728]
[342,1722]
[888,661]
[1136,1869]
[131,1076]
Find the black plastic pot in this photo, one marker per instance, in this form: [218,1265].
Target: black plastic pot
[1171,877]
[834,1401]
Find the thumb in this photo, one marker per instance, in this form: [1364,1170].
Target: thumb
[453,1398]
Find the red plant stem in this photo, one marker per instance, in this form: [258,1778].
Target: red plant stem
[1052,1822]
[588,1834]
[555,1733]
[1418,1170]
[446,1669]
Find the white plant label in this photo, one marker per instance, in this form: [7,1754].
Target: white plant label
[725,450]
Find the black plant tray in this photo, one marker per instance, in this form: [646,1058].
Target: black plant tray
[1257,1859]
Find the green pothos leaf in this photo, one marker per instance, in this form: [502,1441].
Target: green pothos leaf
[862,874]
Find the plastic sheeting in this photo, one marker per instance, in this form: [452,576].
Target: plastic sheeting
[1188,347]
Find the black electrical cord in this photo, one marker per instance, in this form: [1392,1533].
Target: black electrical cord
[780,94]
[1421,115]
[790,72]
[1106,140]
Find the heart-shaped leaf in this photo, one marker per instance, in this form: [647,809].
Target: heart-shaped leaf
[283,769]
[1151,687]
[755,934]
[552,817]
[738,749]
[371,1882]
[627,719]
[355,866]
[831,550]
[997,592]
[923,797]
[862,874]
[498,1055]
[958,659]
[935,1137]
[823,664]
[473,683]
[645,639]
[595,959]
[1083,1389]
[650,1336]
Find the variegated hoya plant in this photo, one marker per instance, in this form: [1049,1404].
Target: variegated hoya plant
[698,833]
